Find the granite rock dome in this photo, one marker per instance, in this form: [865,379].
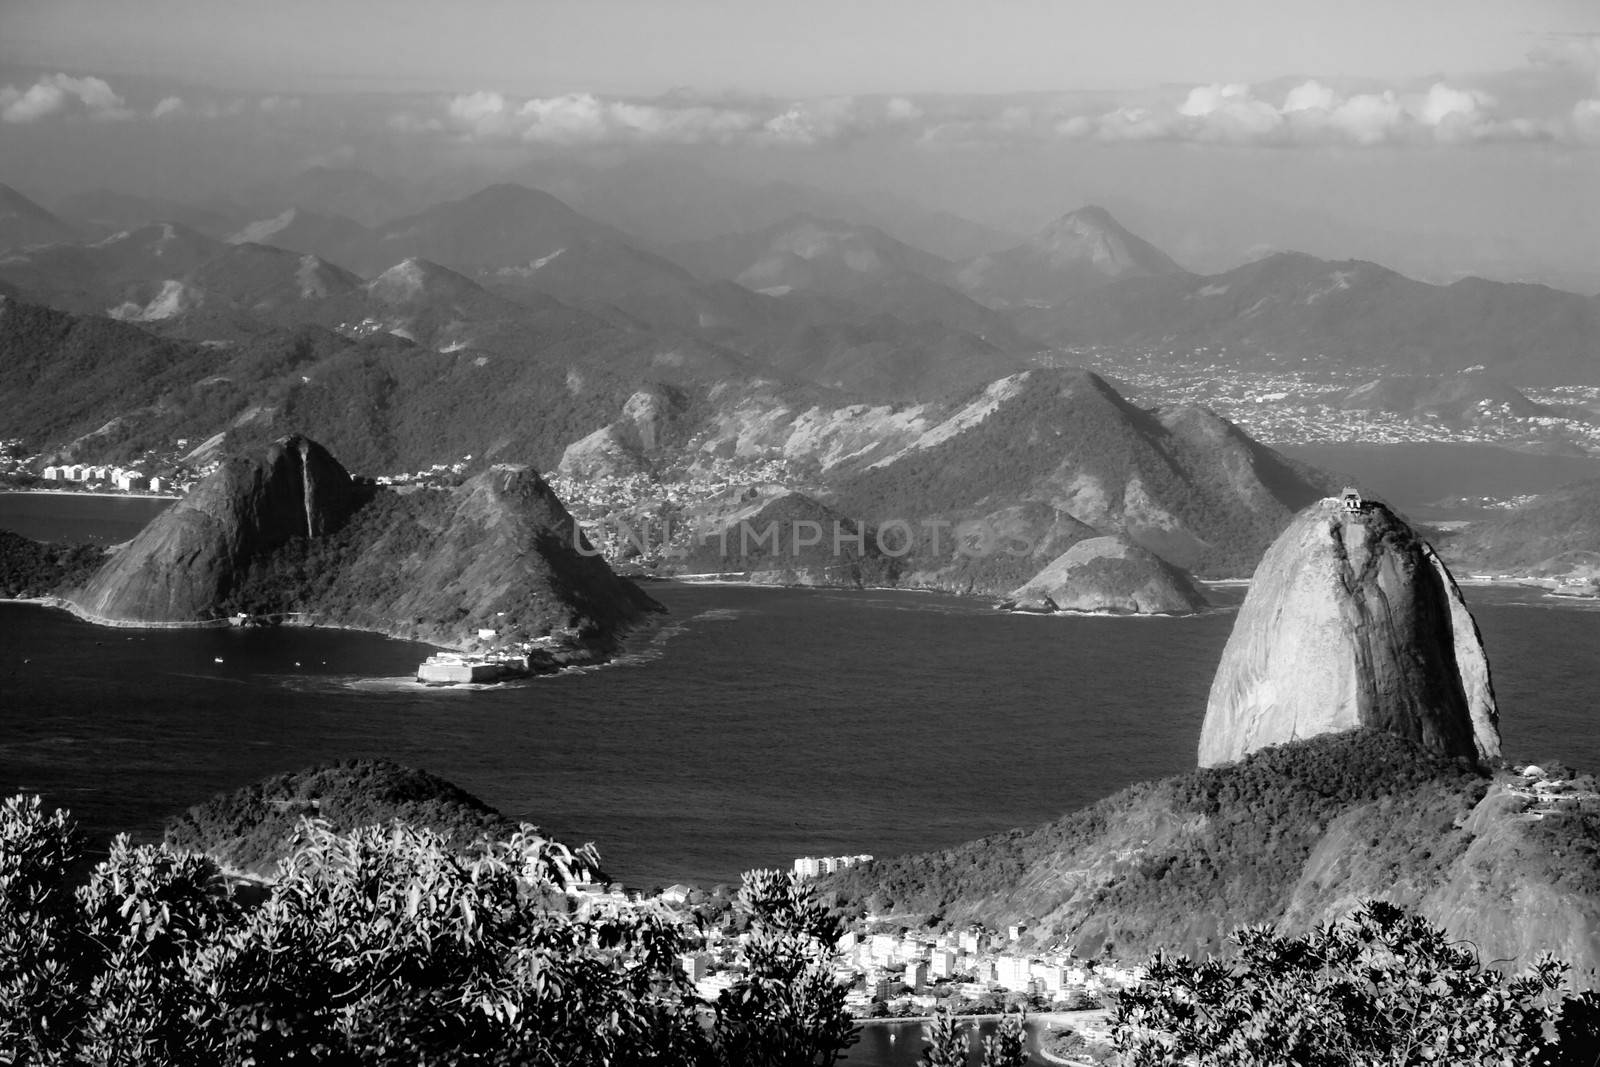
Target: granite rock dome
[1351,621]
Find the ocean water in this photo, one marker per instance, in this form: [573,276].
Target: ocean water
[57,516]
[753,726]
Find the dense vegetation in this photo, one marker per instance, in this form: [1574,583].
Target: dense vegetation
[254,828]
[1383,987]
[436,565]
[39,568]
[385,946]
[1183,860]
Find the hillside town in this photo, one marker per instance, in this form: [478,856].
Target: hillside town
[889,971]
[1283,400]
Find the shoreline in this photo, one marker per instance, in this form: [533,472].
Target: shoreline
[625,642]
[114,494]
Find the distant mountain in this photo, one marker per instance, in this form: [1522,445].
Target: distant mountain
[1455,398]
[23,222]
[979,492]
[500,226]
[300,230]
[841,346]
[1348,312]
[102,212]
[268,285]
[448,312]
[1082,250]
[111,390]
[851,262]
[1179,481]
[1554,535]
[94,278]
[346,192]
[661,201]
[518,240]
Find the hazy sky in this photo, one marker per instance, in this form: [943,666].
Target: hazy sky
[799,47]
[1466,131]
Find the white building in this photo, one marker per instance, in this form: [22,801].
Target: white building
[52,474]
[883,948]
[1013,972]
[943,963]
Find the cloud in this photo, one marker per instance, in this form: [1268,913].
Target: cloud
[1309,96]
[1586,121]
[61,94]
[1550,100]
[176,107]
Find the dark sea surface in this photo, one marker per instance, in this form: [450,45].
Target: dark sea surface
[58,516]
[757,725]
[1417,476]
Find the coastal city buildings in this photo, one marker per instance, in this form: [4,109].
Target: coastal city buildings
[887,969]
[817,866]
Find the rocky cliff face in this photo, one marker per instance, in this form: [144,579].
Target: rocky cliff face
[181,566]
[1110,574]
[1351,621]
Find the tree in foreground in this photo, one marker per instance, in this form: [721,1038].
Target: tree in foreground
[789,1010]
[384,945]
[1382,987]
[948,1042]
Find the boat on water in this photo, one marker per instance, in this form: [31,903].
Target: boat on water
[456,668]
[539,656]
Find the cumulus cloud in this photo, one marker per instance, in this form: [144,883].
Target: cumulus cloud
[1309,96]
[61,94]
[585,118]
[1311,112]
[168,106]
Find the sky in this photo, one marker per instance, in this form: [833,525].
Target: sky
[1475,121]
[818,47]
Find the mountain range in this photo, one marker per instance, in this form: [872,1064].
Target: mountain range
[817,296]
[892,384]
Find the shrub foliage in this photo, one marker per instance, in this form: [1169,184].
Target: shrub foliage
[385,945]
